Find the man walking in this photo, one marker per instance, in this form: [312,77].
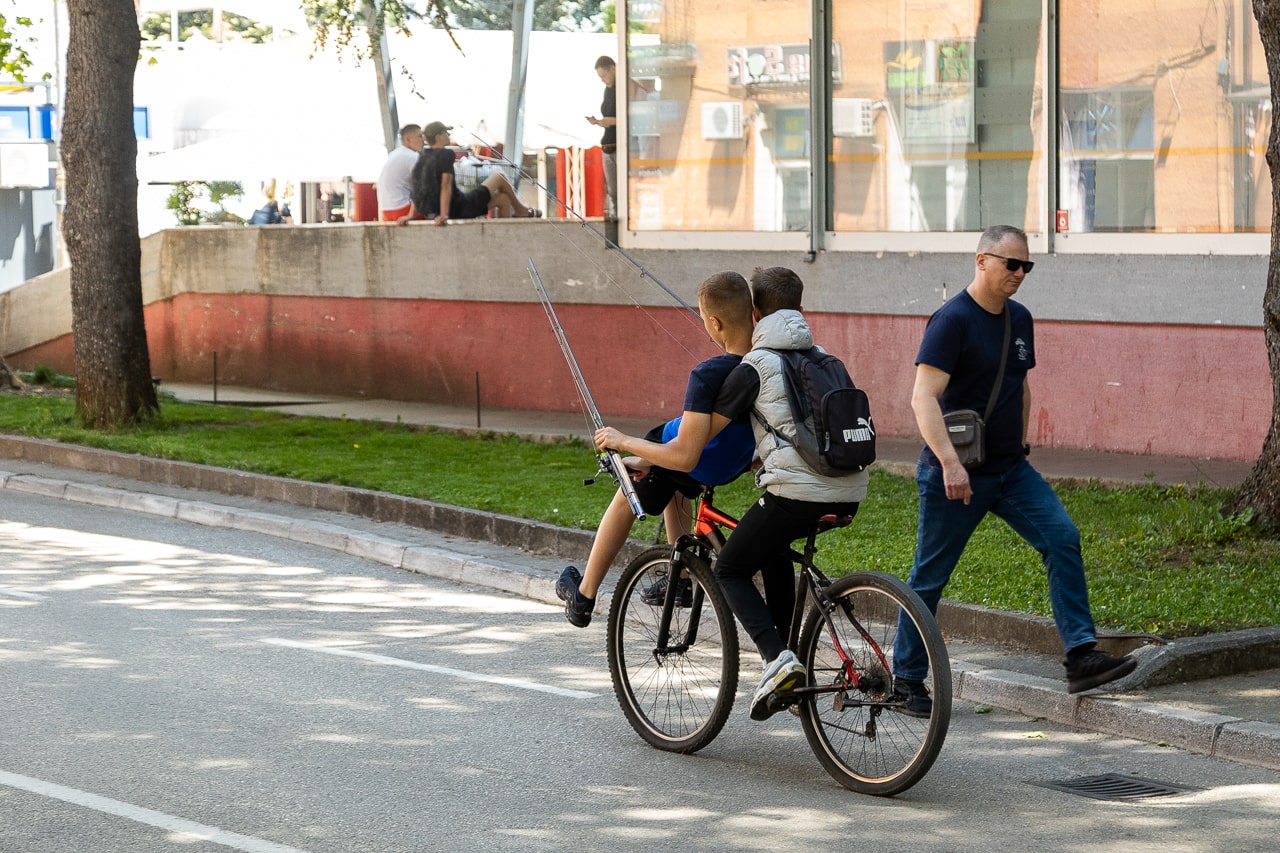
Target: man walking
[957,367]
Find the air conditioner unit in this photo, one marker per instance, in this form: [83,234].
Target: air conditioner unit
[25,165]
[722,120]
[852,117]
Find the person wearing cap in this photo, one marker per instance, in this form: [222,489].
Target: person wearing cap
[435,192]
[393,182]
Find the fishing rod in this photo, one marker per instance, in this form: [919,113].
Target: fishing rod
[610,460]
[644,272]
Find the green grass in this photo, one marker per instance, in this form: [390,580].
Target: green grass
[1160,560]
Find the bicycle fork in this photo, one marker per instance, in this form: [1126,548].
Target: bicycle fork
[682,551]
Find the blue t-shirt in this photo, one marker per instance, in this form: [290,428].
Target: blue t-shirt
[729,453]
[963,340]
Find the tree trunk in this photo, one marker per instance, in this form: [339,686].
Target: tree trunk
[1260,491]
[113,367]
[9,378]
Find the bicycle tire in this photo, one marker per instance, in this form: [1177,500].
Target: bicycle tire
[677,700]
[860,734]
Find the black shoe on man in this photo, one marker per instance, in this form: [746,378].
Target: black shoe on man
[915,698]
[1092,668]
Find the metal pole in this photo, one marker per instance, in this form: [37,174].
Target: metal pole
[521,24]
[215,376]
[477,399]
[382,67]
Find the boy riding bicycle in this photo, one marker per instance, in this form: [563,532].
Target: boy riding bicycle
[677,458]
[795,495]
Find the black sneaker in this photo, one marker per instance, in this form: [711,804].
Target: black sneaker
[577,607]
[1093,669]
[568,582]
[657,593]
[915,698]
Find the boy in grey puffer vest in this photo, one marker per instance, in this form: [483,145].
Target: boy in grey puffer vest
[795,495]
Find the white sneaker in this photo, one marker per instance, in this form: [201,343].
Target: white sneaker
[782,675]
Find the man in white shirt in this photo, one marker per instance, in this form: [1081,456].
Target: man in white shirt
[393,182]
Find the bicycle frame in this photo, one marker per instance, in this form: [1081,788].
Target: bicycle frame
[710,522]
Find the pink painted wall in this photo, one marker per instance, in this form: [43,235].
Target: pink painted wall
[1175,390]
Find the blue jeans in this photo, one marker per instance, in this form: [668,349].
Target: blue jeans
[1025,501]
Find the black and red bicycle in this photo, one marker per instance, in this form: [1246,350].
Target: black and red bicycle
[673,657]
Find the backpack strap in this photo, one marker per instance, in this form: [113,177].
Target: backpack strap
[1004,359]
[783,366]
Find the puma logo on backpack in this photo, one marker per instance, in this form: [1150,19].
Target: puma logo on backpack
[834,432]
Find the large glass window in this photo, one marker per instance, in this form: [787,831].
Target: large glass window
[936,116]
[719,131]
[1164,112]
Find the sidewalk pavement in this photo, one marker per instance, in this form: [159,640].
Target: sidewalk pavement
[1217,696]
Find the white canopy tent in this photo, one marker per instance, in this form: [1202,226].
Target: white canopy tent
[284,14]
[275,110]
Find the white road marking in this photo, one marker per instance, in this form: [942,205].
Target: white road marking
[426,667]
[138,814]
[29,596]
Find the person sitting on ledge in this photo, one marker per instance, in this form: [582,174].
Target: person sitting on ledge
[435,193]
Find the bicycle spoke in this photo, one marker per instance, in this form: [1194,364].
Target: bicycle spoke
[859,730]
[676,697]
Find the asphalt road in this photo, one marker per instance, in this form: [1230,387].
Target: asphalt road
[173,687]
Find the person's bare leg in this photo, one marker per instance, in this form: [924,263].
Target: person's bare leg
[615,527]
[678,517]
[502,197]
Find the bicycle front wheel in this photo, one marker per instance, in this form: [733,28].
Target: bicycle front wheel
[861,733]
[675,676]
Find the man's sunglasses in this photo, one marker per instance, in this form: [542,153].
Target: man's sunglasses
[1013,264]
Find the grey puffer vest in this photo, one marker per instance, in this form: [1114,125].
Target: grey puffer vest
[783,471]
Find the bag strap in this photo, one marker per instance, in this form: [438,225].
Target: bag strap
[784,368]
[1004,359]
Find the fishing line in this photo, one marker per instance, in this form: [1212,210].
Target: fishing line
[645,273]
[610,460]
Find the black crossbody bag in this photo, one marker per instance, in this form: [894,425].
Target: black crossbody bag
[965,427]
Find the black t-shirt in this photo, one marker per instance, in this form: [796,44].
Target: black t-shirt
[609,109]
[963,340]
[738,393]
[425,181]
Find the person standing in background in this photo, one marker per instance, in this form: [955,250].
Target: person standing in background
[608,72]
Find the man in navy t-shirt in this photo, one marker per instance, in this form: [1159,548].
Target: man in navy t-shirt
[956,368]
[675,459]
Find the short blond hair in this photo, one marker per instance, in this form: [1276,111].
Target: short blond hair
[728,296]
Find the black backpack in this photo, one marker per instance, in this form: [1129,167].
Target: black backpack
[834,433]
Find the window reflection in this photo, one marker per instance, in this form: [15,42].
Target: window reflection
[938,116]
[936,126]
[722,143]
[1165,112]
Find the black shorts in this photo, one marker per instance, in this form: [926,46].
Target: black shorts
[475,204]
[657,488]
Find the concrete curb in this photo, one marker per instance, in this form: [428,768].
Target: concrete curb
[1245,741]
[1201,657]
[1215,735]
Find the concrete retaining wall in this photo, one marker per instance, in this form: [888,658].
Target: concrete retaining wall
[1149,354]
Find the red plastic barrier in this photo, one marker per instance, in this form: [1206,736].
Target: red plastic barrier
[365,208]
[580,180]
[595,181]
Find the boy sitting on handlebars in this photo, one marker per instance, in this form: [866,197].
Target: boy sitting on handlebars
[676,458]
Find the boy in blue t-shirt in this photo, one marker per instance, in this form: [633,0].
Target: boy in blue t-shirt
[676,458]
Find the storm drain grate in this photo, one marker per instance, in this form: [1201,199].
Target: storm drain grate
[1114,786]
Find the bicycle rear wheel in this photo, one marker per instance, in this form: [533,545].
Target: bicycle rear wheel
[860,733]
[677,695]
